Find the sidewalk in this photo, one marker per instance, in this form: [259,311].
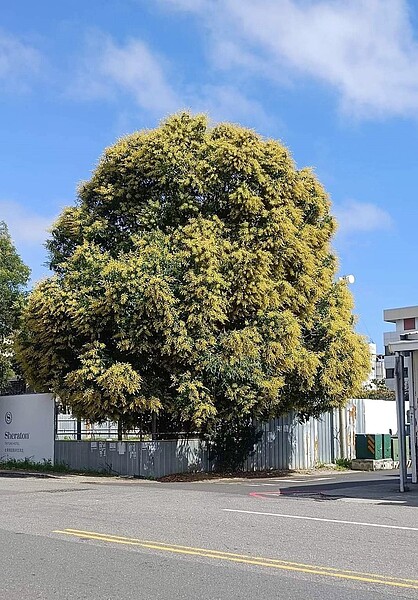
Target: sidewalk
[368,488]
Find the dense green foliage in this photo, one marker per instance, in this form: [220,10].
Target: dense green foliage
[231,441]
[14,276]
[376,391]
[194,277]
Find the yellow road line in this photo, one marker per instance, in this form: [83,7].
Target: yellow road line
[242,558]
[218,552]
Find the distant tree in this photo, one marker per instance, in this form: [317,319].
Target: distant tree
[14,276]
[195,278]
[377,389]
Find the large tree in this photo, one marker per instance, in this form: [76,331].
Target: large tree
[14,276]
[194,277]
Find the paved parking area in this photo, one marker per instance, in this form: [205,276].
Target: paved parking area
[327,535]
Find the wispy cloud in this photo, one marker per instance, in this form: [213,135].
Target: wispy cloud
[110,70]
[364,50]
[26,227]
[224,102]
[361,217]
[19,62]
[189,5]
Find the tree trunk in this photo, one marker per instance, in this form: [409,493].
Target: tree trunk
[154,426]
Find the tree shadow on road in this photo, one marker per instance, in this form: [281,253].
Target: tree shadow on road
[382,492]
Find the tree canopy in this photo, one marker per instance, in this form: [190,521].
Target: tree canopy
[14,276]
[194,277]
[376,390]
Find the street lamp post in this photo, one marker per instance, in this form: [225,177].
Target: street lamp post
[400,413]
[349,279]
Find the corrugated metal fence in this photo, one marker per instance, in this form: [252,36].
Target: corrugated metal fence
[285,444]
[138,459]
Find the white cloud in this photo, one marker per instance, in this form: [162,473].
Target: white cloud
[189,5]
[18,62]
[227,103]
[26,227]
[365,50]
[131,68]
[110,69]
[361,217]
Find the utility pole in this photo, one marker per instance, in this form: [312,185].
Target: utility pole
[413,411]
[400,411]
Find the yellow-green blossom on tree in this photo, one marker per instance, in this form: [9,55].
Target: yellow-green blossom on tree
[194,277]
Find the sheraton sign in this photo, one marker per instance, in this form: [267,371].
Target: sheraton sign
[27,427]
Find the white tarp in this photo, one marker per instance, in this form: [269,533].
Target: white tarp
[27,427]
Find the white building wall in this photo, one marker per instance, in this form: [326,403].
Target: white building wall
[396,316]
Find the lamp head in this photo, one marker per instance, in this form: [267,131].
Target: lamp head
[347,278]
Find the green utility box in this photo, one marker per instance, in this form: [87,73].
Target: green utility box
[369,445]
[395,448]
[387,445]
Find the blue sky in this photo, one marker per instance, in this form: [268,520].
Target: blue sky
[336,81]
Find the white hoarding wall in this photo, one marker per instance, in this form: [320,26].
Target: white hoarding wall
[27,427]
[380,416]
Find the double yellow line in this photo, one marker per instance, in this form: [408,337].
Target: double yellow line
[242,558]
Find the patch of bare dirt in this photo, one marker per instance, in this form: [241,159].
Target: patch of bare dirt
[237,475]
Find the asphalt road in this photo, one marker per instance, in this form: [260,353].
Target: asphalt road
[318,537]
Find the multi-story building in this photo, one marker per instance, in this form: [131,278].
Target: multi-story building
[377,370]
[406,321]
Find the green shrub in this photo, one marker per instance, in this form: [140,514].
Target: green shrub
[343,463]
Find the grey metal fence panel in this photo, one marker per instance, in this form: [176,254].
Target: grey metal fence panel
[113,457]
[336,433]
[323,440]
[360,415]
[354,422]
[285,444]
[322,445]
[298,446]
[272,451]
[138,459]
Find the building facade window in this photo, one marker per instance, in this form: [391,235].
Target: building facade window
[409,324]
[390,373]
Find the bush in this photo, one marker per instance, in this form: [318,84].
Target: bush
[343,463]
[232,443]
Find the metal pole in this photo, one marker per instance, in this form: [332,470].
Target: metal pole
[343,433]
[331,426]
[400,411]
[56,412]
[413,369]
